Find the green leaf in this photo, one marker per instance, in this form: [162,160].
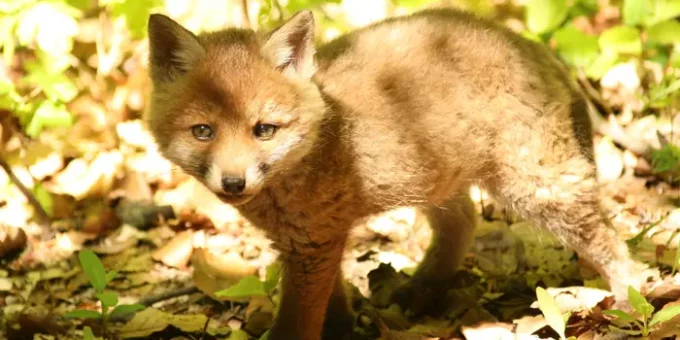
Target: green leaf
[56,86]
[79,4]
[273,276]
[575,47]
[639,303]
[111,275]
[634,11]
[44,198]
[87,333]
[7,43]
[246,287]
[663,10]
[621,39]
[545,15]
[551,311]
[297,5]
[665,32]
[136,14]
[238,335]
[93,268]
[265,336]
[6,86]
[603,63]
[108,299]
[48,115]
[83,314]
[126,309]
[583,8]
[664,315]
[666,159]
[620,314]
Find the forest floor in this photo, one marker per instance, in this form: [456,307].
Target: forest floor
[161,238]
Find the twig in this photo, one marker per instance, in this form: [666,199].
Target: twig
[40,213]
[148,301]
[244,13]
[609,127]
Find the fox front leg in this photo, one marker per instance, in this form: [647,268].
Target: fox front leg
[308,281]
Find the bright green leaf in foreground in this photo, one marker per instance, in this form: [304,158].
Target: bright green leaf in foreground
[93,268]
[620,314]
[665,315]
[87,333]
[108,299]
[126,309]
[246,287]
[621,39]
[639,303]
[551,311]
[273,276]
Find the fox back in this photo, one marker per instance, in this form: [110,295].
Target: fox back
[421,101]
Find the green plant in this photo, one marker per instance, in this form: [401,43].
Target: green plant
[99,279]
[649,31]
[551,311]
[649,319]
[251,285]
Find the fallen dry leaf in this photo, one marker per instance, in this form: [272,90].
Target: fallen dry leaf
[215,272]
[177,252]
[11,240]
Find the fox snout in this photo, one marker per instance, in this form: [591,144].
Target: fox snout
[233,185]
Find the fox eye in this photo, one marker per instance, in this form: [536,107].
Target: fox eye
[265,131]
[202,132]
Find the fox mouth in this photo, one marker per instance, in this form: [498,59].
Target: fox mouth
[234,199]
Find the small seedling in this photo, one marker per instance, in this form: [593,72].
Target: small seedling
[99,278]
[251,285]
[551,311]
[649,319]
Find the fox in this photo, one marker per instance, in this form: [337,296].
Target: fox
[306,141]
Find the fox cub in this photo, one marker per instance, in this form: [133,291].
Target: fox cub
[410,111]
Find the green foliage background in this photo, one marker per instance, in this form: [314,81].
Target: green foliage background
[54,49]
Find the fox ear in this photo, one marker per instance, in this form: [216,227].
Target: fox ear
[291,46]
[173,49]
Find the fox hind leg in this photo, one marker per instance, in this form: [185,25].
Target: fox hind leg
[452,224]
[557,189]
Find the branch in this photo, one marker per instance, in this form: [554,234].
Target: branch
[40,213]
[610,127]
[244,13]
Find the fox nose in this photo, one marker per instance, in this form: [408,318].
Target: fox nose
[233,185]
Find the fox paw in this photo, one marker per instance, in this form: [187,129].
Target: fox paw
[640,277]
[420,298]
[339,326]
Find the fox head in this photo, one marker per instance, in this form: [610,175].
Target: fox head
[234,108]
